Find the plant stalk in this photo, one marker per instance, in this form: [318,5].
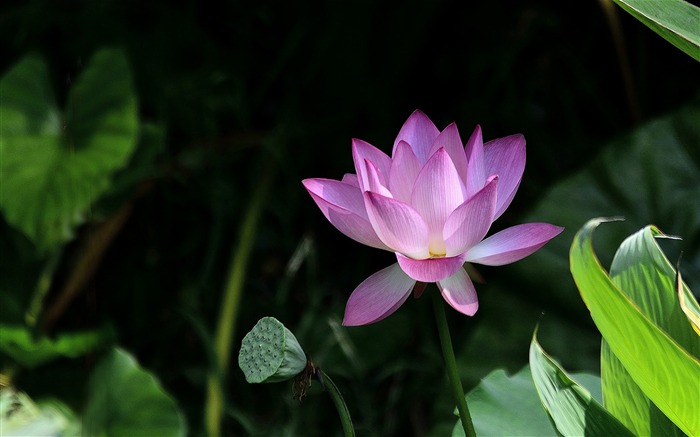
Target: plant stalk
[343,412]
[451,364]
[229,306]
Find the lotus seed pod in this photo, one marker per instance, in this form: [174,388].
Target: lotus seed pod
[270,353]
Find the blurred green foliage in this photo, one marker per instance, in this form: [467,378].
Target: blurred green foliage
[228,90]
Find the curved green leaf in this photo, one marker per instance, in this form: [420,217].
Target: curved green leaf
[677,21]
[642,272]
[52,169]
[571,407]
[125,400]
[663,370]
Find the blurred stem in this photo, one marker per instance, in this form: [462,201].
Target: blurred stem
[36,305]
[610,11]
[229,306]
[451,364]
[343,412]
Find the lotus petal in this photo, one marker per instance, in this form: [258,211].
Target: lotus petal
[437,192]
[378,296]
[361,151]
[338,202]
[450,140]
[512,244]
[397,225]
[430,269]
[470,222]
[458,290]
[476,172]
[506,158]
[419,132]
[403,173]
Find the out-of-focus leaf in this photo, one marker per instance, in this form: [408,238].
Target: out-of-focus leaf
[677,21]
[20,416]
[506,405]
[19,343]
[651,175]
[665,371]
[125,400]
[55,165]
[641,271]
[571,407]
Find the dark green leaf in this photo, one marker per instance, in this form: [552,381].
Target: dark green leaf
[53,169]
[649,176]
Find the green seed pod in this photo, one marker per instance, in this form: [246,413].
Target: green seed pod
[270,353]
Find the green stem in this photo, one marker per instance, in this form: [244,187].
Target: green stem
[229,306]
[451,363]
[36,305]
[340,405]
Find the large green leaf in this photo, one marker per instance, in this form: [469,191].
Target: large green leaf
[125,400]
[55,165]
[676,20]
[506,405]
[665,371]
[641,271]
[572,408]
[19,343]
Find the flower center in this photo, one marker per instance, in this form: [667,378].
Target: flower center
[436,247]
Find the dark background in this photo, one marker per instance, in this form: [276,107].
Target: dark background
[248,90]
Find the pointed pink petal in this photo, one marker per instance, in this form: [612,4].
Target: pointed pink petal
[338,201]
[403,173]
[337,193]
[436,193]
[431,269]
[459,292]
[361,151]
[375,180]
[470,222]
[419,132]
[378,296]
[397,225]
[476,171]
[506,158]
[512,244]
[449,140]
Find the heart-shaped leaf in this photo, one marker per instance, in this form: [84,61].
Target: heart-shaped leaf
[54,165]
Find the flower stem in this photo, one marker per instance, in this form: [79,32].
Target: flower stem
[339,402]
[451,363]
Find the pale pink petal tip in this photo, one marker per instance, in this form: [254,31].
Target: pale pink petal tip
[512,244]
[459,292]
[378,296]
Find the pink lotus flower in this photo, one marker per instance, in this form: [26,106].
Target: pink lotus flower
[431,203]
